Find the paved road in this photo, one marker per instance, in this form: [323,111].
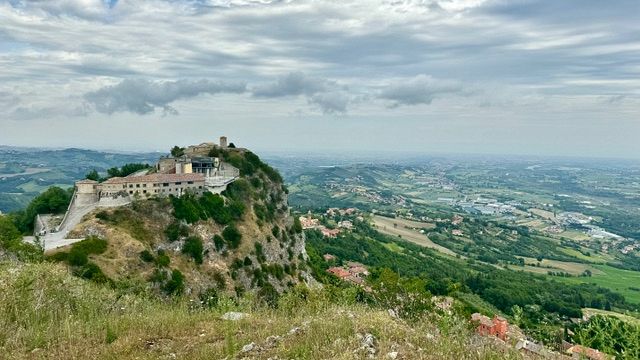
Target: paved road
[58,239]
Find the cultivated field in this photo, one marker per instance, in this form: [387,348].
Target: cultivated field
[618,280]
[404,229]
[572,268]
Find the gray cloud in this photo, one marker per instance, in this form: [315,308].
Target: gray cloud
[292,84]
[144,96]
[325,94]
[331,102]
[422,89]
[530,58]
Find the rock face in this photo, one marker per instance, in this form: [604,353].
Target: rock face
[269,257]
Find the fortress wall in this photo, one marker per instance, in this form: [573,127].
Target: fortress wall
[110,201]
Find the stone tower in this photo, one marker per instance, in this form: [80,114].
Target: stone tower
[223,141]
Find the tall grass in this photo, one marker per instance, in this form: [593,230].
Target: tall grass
[47,313]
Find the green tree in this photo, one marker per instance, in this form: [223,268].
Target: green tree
[9,233]
[93,175]
[177,151]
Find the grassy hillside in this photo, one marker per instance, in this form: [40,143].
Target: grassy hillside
[45,313]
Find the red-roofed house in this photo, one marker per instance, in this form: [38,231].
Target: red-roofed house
[342,273]
[330,233]
[496,327]
[580,352]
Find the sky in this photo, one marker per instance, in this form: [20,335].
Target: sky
[433,76]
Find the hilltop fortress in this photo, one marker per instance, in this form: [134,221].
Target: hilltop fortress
[192,171]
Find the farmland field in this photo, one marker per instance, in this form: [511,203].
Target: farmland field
[618,280]
[388,226]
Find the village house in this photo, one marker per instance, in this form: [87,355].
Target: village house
[457,232]
[354,273]
[346,224]
[583,352]
[308,222]
[331,212]
[328,257]
[531,348]
[497,326]
[456,219]
[340,272]
[330,233]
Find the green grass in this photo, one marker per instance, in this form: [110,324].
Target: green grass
[47,314]
[393,247]
[615,279]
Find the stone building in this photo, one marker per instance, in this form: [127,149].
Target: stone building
[152,184]
[193,172]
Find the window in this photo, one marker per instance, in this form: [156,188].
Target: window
[144,185]
[165,184]
[137,185]
[144,191]
[178,183]
[124,186]
[130,185]
[130,192]
[190,182]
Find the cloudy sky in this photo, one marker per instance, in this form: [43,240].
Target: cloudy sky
[464,76]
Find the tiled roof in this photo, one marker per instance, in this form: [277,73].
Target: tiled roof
[86,181]
[156,178]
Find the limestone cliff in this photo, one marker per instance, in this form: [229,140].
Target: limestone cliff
[241,240]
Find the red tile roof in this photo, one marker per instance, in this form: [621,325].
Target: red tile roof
[339,272]
[156,178]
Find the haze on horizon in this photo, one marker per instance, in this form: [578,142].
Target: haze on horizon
[447,76]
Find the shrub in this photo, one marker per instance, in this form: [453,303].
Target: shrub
[146,256]
[91,271]
[247,261]
[162,259]
[232,236]
[175,286]
[77,258]
[92,245]
[260,252]
[218,241]
[209,298]
[158,276]
[193,247]
[175,231]
[268,295]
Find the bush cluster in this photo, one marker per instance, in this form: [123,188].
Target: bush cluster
[78,258]
[208,206]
